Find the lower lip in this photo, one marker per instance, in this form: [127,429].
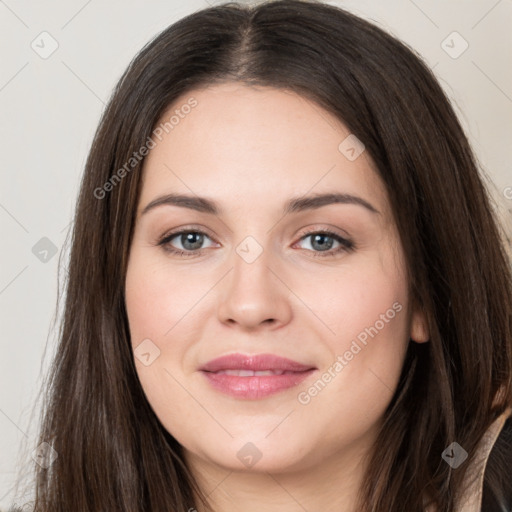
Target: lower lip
[254,388]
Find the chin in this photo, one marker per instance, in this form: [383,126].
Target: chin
[257,456]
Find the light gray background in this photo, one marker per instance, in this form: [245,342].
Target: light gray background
[50,108]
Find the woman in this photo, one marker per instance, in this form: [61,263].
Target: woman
[287,289]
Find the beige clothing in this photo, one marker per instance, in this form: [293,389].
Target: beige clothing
[472,500]
[474,479]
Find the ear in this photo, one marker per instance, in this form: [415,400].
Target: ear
[420,332]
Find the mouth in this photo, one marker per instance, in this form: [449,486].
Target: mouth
[254,377]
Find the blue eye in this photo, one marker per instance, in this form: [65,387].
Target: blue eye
[192,241]
[324,241]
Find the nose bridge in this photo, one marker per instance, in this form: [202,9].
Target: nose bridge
[252,294]
[251,262]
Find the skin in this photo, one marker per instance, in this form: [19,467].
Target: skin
[252,149]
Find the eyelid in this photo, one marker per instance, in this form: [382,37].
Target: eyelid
[330,230]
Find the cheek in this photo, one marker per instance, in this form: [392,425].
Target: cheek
[157,298]
[165,309]
[366,311]
[358,303]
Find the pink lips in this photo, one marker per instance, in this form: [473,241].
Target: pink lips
[254,376]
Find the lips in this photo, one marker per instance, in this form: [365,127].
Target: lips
[258,362]
[254,377]
[251,373]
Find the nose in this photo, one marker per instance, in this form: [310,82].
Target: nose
[253,295]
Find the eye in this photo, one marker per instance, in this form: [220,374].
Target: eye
[322,242]
[191,241]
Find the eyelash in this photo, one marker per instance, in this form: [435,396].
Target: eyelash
[345,244]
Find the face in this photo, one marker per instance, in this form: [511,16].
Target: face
[248,267]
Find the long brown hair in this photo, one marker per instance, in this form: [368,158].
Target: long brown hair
[113,453]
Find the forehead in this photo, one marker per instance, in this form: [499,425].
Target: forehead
[255,143]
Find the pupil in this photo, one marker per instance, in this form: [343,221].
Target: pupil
[189,239]
[322,246]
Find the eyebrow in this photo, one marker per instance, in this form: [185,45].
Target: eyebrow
[296,204]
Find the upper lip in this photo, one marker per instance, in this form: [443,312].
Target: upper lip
[255,362]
